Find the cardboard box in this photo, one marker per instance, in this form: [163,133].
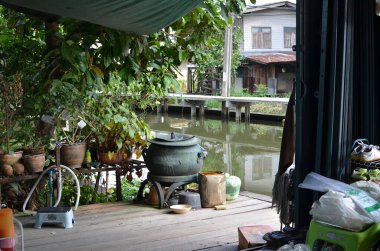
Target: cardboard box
[251,236]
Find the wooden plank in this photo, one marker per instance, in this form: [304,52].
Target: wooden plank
[123,226]
[177,223]
[220,98]
[158,237]
[164,218]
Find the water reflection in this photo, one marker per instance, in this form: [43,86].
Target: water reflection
[248,150]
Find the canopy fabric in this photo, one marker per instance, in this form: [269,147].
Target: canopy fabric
[133,16]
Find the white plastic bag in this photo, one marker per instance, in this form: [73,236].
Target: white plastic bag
[292,247]
[370,187]
[367,204]
[339,210]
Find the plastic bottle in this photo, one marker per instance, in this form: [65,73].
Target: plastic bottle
[7,242]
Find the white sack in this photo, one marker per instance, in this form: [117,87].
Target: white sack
[337,209]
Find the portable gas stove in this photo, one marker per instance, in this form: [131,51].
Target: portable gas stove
[159,182]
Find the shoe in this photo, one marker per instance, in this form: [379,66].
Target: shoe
[374,174]
[366,153]
[360,174]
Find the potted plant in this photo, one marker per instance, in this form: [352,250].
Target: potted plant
[73,133]
[117,129]
[34,144]
[11,93]
[68,107]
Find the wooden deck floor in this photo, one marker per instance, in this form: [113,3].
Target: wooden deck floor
[122,226]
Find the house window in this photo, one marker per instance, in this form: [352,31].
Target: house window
[289,37]
[261,37]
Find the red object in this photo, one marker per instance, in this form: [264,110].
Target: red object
[7,244]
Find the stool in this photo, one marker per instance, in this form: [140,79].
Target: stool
[62,215]
[349,241]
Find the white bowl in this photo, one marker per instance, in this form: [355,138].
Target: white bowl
[181,208]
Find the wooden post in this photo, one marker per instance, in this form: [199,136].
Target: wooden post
[225,112]
[165,105]
[238,113]
[201,109]
[193,111]
[247,110]
[159,109]
[119,195]
[96,187]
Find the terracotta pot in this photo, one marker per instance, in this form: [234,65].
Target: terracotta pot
[18,169]
[34,163]
[153,196]
[73,155]
[110,158]
[7,170]
[34,151]
[10,159]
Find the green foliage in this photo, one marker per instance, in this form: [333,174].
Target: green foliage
[86,194]
[261,90]
[213,104]
[112,119]
[268,108]
[129,189]
[10,103]
[209,58]
[240,93]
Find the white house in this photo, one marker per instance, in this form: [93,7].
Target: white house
[269,33]
[269,28]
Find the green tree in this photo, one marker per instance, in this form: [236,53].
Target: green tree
[63,61]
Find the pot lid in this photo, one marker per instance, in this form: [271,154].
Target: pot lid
[175,139]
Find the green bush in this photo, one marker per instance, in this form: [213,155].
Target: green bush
[129,189]
[268,108]
[213,104]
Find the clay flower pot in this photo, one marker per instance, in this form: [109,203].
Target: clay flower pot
[10,158]
[73,155]
[110,158]
[34,163]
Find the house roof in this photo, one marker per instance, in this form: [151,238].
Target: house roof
[273,58]
[283,5]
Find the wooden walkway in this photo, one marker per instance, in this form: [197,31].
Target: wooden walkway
[237,103]
[124,226]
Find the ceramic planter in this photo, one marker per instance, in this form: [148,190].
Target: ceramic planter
[73,155]
[34,163]
[10,159]
[110,157]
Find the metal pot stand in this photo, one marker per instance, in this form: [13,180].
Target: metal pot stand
[173,182]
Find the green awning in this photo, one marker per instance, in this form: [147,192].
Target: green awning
[133,16]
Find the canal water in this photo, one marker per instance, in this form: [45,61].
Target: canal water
[248,150]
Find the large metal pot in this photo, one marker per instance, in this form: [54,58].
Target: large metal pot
[174,155]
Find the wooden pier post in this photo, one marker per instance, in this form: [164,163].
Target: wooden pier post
[238,113]
[159,109]
[201,110]
[247,115]
[193,110]
[165,105]
[225,111]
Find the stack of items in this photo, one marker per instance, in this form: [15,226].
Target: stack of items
[365,161]
[349,213]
